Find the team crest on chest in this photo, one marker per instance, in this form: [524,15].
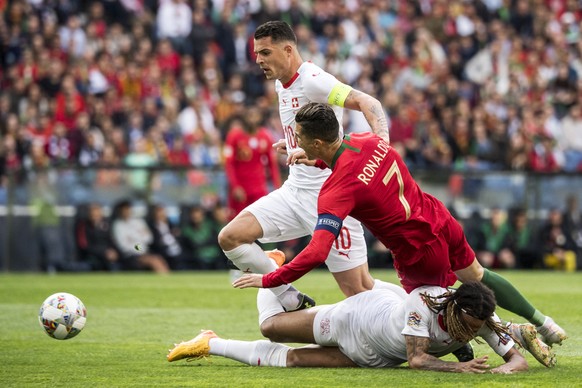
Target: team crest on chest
[295,102]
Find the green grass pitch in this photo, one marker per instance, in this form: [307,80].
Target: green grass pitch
[134,318]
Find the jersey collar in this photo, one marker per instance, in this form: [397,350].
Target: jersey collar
[290,82]
[344,146]
[441,322]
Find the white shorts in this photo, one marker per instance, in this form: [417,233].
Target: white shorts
[352,324]
[289,213]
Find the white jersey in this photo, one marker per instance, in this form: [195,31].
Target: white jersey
[420,321]
[369,327]
[310,84]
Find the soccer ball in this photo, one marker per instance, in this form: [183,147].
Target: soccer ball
[62,315]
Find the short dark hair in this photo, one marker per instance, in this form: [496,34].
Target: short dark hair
[318,121]
[277,30]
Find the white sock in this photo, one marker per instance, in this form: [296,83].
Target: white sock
[250,257]
[268,305]
[256,353]
[380,285]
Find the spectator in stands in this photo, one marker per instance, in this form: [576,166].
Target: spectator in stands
[200,232]
[495,231]
[166,237]
[132,237]
[573,224]
[174,22]
[556,244]
[571,138]
[141,156]
[520,245]
[46,224]
[59,146]
[94,241]
[541,155]
[72,37]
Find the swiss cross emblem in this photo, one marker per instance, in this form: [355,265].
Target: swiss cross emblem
[294,102]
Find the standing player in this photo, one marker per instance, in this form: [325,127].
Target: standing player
[380,328]
[371,182]
[248,156]
[290,212]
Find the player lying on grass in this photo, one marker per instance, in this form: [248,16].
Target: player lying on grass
[379,328]
[370,182]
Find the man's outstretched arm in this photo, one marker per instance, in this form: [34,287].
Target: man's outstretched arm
[514,362]
[418,358]
[312,256]
[372,110]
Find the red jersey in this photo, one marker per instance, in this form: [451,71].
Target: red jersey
[370,182]
[247,158]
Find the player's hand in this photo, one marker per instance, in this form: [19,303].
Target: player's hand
[249,280]
[477,365]
[280,146]
[299,157]
[504,369]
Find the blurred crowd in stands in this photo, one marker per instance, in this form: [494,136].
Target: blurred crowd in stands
[508,239]
[466,84]
[127,240]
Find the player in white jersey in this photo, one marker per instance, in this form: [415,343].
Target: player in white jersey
[291,211]
[378,328]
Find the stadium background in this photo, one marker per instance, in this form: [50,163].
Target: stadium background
[97,97]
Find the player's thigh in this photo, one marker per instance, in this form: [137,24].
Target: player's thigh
[461,255]
[355,280]
[278,214]
[333,326]
[296,326]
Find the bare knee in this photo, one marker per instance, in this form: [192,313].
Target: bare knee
[244,229]
[269,329]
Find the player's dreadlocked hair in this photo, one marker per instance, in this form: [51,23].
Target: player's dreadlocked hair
[472,298]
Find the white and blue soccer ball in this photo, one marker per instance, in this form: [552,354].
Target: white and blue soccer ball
[62,315]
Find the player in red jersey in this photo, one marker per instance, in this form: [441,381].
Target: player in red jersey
[248,156]
[370,182]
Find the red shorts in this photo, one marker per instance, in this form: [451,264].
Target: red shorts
[435,263]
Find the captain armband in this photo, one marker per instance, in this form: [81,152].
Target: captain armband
[338,94]
[330,223]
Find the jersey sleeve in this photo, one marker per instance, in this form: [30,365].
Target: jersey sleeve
[417,317]
[312,256]
[500,345]
[320,86]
